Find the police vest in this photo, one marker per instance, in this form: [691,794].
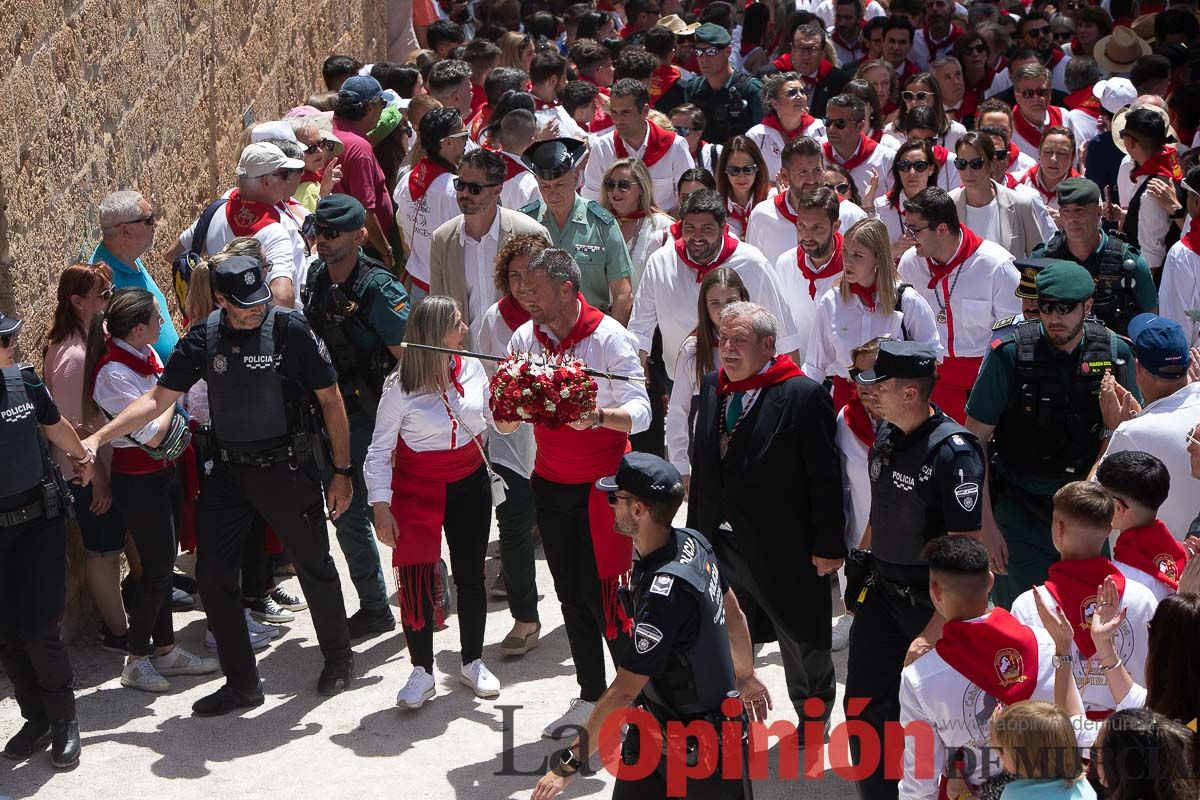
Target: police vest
[695,681]
[1051,426]
[23,466]
[1115,301]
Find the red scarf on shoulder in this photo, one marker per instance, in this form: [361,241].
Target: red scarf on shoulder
[831,268]
[586,323]
[422,177]
[1033,177]
[1153,550]
[1031,133]
[661,81]
[150,365]
[772,121]
[1073,586]
[728,245]
[998,654]
[248,217]
[866,294]
[970,243]
[1192,240]
[1164,164]
[955,32]
[659,141]
[512,312]
[1083,100]
[512,167]
[780,370]
[866,147]
[859,420]
[782,207]
[132,460]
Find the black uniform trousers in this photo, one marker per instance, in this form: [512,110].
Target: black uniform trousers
[654,785]
[562,515]
[292,503]
[884,627]
[33,588]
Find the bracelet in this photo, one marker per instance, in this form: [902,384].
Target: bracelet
[88,457]
[599,423]
[1104,669]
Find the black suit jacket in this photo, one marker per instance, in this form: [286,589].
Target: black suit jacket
[780,488]
[830,87]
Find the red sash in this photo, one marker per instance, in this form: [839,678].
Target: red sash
[658,144]
[781,369]
[478,99]
[858,419]
[1033,177]
[512,168]
[833,267]
[934,47]
[1028,131]
[956,376]
[586,323]
[1164,164]
[423,176]
[782,207]
[661,81]
[1083,100]
[513,313]
[248,217]
[866,147]
[1153,550]
[998,654]
[772,121]
[728,245]
[1073,586]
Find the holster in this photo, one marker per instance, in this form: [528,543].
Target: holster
[860,576]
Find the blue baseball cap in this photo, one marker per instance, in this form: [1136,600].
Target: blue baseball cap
[360,89]
[1160,346]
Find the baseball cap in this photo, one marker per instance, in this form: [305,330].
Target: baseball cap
[900,359]
[360,89]
[241,280]
[1160,345]
[263,158]
[1114,93]
[646,477]
[276,129]
[9,325]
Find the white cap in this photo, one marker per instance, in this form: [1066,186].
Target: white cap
[277,129]
[263,158]
[1114,94]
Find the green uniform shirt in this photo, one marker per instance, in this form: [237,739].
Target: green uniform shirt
[593,238]
[1143,283]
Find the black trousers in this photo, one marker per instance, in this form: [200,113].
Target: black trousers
[467,522]
[653,440]
[152,507]
[33,575]
[291,502]
[562,515]
[257,574]
[884,627]
[654,785]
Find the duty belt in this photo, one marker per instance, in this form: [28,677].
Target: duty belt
[913,595]
[11,519]
[284,453]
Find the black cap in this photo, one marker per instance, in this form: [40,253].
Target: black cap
[553,158]
[9,325]
[1029,269]
[241,280]
[646,477]
[900,360]
[341,212]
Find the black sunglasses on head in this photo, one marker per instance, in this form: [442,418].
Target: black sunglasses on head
[474,188]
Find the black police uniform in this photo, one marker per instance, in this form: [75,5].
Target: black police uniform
[1113,266]
[34,506]
[680,641]
[923,485]
[259,387]
[734,108]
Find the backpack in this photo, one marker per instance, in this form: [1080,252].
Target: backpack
[185,262]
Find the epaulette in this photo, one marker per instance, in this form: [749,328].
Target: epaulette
[531,208]
[1004,323]
[601,212]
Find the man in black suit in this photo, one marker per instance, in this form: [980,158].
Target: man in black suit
[766,490]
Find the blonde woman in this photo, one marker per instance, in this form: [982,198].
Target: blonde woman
[866,302]
[516,50]
[627,191]
[425,472]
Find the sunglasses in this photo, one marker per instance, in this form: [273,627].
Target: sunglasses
[794,93]
[1029,94]
[840,188]
[683,130]
[313,149]
[1001,154]
[912,230]
[461,133]
[474,188]
[733,171]
[975,163]
[325,232]
[973,49]
[614,498]
[1038,32]
[909,166]
[286,173]
[807,48]
[622,184]
[147,221]
[840,124]
[1063,37]
[1060,307]
[920,97]
[709,51]
[1073,6]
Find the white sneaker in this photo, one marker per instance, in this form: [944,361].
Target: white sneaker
[181,662]
[141,674]
[420,687]
[841,632]
[577,715]
[480,679]
[256,627]
[257,641]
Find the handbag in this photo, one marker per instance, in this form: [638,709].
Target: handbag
[499,488]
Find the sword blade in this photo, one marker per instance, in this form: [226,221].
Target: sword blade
[488,357]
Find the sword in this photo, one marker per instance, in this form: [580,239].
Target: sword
[595,373]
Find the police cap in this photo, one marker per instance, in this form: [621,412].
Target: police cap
[1078,192]
[646,477]
[1029,269]
[553,158]
[341,212]
[900,359]
[712,35]
[1065,280]
[9,325]
[241,280]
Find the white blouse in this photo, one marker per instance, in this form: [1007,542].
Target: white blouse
[419,219]
[652,233]
[424,423]
[117,386]
[514,450]
[679,407]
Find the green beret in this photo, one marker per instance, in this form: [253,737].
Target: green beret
[714,35]
[341,212]
[1078,192]
[1065,280]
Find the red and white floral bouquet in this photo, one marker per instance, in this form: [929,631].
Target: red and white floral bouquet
[550,390]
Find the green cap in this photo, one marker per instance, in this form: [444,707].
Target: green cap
[1065,280]
[714,35]
[389,120]
[341,212]
[1078,192]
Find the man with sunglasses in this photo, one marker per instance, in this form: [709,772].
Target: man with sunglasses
[1037,400]
[1034,32]
[1034,112]
[729,98]
[849,146]
[821,78]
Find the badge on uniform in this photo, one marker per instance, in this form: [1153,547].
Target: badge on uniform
[662,585]
[876,468]
[220,364]
[646,637]
[967,495]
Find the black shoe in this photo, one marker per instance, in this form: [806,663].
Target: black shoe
[335,677]
[111,642]
[33,736]
[366,622]
[65,750]
[225,700]
[185,582]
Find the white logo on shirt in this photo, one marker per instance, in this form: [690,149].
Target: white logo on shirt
[662,585]
[646,637]
[967,495]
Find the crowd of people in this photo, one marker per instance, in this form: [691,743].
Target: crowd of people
[903,297]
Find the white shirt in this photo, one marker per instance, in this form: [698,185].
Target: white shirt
[891,217]
[983,292]
[985,220]
[668,292]
[708,156]
[840,326]
[958,711]
[653,231]
[514,450]
[774,234]
[117,386]
[1022,165]
[855,480]
[1084,125]
[771,143]
[479,258]
[665,172]
[1157,588]
[419,219]
[520,190]
[424,424]
[684,391]
[1179,291]
[824,10]
[1159,430]
[1153,221]
[880,161]
[801,298]
[610,348]
[920,53]
[285,258]
[1029,148]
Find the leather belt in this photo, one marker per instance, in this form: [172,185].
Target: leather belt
[11,519]
[264,458]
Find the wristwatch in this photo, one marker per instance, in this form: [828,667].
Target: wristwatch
[1179,213]
[348,471]
[569,760]
[1059,661]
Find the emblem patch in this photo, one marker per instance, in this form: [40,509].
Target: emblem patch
[1087,610]
[220,364]
[876,468]
[249,279]
[662,585]
[1010,667]
[967,495]
[1167,566]
[646,637]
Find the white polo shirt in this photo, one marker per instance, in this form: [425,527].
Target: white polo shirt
[418,219]
[1179,291]
[772,232]
[771,143]
[519,190]
[880,161]
[665,172]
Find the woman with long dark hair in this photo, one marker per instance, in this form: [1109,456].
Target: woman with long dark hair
[914,168]
[742,180]
[922,90]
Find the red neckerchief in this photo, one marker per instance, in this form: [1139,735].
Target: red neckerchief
[823,69]
[676,230]
[1073,586]
[1014,153]
[478,122]
[248,217]
[831,268]
[728,245]
[422,176]
[998,654]
[866,147]
[970,243]
[661,81]
[585,325]
[772,121]
[782,207]
[877,133]
[478,98]
[940,154]
[1033,177]
[739,213]
[512,167]
[906,71]
[150,365]
[1056,55]
[541,105]
[1083,100]
[934,47]
[1164,164]
[864,293]
[780,370]
[1032,134]
[783,63]
[627,31]
[859,421]
[658,144]
[311,176]
[1153,550]
[455,371]
[513,313]
[1077,50]
[1191,240]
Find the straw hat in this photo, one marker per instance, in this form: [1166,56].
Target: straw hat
[1117,52]
[675,24]
[1118,125]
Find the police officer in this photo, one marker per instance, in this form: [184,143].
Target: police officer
[583,228]
[1027,291]
[926,475]
[359,310]
[263,366]
[1037,401]
[1124,286]
[691,647]
[730,98]
[34,505]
